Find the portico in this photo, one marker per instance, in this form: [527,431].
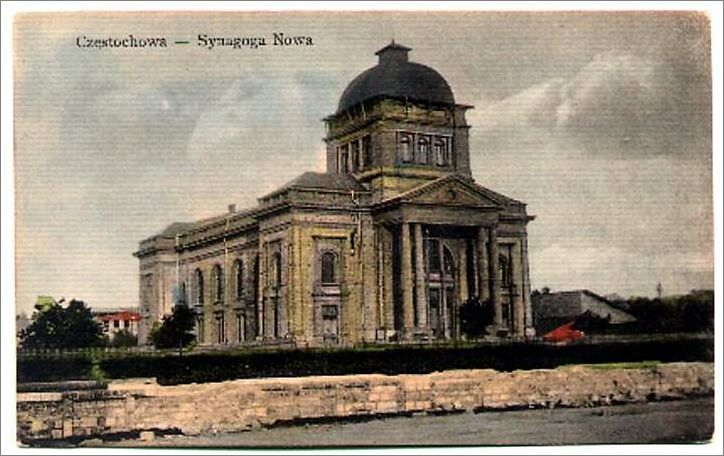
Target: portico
[450,251]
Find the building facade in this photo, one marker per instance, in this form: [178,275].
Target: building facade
[385,245]
[114,321]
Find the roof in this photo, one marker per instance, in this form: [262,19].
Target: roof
[573,303]
[324,181]
[495,197]
[560,304]
[112,310]
[125,315]
[396,77]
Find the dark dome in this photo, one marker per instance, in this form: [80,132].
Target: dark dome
[396,77]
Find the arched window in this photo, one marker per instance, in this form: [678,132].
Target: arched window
[329,268]
[504,268]
[199,286]
[218,277]
[423,148]
[239,279]
[405,148]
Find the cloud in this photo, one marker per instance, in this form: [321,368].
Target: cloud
[624,105]
[533,107]
[619,105]
[606,269]
[614,194]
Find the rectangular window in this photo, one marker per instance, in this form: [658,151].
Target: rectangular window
[344,159]
[367,150]
[329,311]
[200,333]
[220,329]
[356,165]
[433,255]
[126,324]
[116,323]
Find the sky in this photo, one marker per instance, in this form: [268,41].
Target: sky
[599,121]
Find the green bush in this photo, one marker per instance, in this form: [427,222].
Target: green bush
[176,329]
[475,317]
[55,326]
[390,360]
[123,338]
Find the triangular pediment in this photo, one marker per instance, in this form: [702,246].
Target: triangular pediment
[452,191]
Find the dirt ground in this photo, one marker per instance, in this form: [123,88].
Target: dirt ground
[661,423]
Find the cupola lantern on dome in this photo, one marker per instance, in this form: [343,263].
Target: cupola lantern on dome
[395,76]
[393,52]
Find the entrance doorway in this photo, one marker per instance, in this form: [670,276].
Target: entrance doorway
[441,276]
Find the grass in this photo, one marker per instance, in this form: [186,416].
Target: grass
[648,364]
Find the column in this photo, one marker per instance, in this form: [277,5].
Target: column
[462,278]
[420,283]
[529,329]
[481,257]
[406,279]
[493,275]
[380,292]
[518,303]
[260,291]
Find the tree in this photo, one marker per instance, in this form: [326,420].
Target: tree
[475,316]
[55,326]
[176,329]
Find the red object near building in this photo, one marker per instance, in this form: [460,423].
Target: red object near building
[115,320]
[564,333]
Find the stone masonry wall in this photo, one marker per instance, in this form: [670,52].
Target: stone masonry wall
[138,405]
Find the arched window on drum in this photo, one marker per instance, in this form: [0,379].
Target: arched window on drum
[405,148]
[423,150]
[442,157]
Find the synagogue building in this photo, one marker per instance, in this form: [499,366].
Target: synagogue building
[384,246]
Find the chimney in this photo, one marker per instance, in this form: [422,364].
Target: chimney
[232,208]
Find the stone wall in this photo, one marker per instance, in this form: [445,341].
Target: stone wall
[138,405]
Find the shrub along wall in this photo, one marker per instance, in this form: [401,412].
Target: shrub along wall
[228,365]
